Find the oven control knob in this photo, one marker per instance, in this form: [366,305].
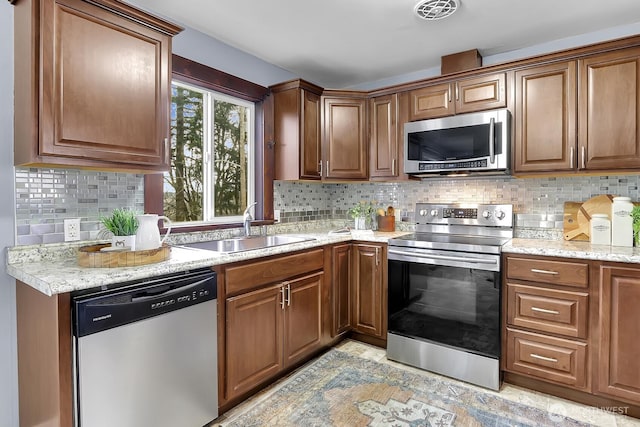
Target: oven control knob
[500,214]
[434,212]
[423,212]
[486,214]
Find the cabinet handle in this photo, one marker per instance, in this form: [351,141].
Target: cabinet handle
[393,166]
[544,310]
[457,93]
[584,157]
[546,359]
[320,171]
[377,257]
[327,171]
[492,140]
[288,294]
[449,91]
[571,157]
[535,270]
[282,297]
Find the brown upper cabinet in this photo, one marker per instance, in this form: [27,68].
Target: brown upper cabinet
[545,118]
[609,110]
[456,97]
[384,148]
[344,143]
[92,85]
[579,115]
[296,109]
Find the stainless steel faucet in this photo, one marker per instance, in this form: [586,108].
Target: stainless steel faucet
[247,218]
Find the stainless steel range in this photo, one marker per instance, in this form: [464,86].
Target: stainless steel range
[444,291]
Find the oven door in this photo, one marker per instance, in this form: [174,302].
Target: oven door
[445,297]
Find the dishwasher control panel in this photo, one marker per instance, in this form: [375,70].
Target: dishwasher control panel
[106,309]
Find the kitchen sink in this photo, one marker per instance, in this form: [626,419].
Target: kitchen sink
[239,244]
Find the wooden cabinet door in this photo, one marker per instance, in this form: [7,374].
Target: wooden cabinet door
[302,317]
[367,292]
[296,125]
[310,156]
[480,93]
[341,289]
[618,368]
[346,151]
[105,88]
[383,135]
[431,102]
[254,341]
[609,110]
[545,118]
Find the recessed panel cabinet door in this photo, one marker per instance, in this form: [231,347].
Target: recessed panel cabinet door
[345,146]
[303,317]
[341,288]
[105,86]
[609,110]
[618,368]
[383,134]
[253,338]
[545,118]
[368,290]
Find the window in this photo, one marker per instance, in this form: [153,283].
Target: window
[199,80]
[212,156]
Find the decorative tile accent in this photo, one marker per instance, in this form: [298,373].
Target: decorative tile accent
[45,197]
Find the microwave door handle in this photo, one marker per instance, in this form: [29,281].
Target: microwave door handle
[492,142]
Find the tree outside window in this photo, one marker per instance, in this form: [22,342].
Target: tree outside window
[211,177]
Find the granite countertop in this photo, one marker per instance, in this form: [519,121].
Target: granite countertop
[45,269]
[572,249]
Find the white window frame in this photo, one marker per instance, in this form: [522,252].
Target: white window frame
[208,202]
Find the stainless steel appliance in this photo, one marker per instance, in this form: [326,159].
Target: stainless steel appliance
[464,144]
[444,291]
[145,353]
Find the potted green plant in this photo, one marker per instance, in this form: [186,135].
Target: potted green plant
[123,224]
[361,213]
[635,214]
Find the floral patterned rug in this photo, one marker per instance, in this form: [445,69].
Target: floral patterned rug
[339,389]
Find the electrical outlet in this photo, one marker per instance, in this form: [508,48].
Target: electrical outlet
[276,215]
[71,229]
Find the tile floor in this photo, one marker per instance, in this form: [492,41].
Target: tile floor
[588,414]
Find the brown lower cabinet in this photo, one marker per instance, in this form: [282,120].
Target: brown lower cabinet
[369,290]
[271,329]
[273,318]
[618,368]
[569,329]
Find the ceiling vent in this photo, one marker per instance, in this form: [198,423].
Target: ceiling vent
[432,10]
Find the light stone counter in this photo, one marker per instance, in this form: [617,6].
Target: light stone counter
[53,269]
[572,249]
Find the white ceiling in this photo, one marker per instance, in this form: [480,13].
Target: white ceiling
[341,43]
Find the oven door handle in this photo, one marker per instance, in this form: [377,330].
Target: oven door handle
[444,257]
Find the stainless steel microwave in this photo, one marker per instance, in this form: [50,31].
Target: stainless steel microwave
[465,144]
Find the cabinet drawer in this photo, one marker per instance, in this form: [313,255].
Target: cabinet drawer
[548,310]
[548,358]
[564,273]
[248,276]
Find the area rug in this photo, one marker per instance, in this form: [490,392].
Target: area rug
[339,389]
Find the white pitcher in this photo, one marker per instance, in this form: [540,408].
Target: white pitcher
[148,235]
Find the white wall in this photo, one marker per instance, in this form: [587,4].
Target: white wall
[8,364]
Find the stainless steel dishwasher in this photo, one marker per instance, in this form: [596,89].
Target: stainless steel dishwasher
[145,353]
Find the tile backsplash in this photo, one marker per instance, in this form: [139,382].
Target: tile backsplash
[45,197]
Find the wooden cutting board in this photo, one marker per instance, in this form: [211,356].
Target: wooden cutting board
[596,205]
[570,222]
